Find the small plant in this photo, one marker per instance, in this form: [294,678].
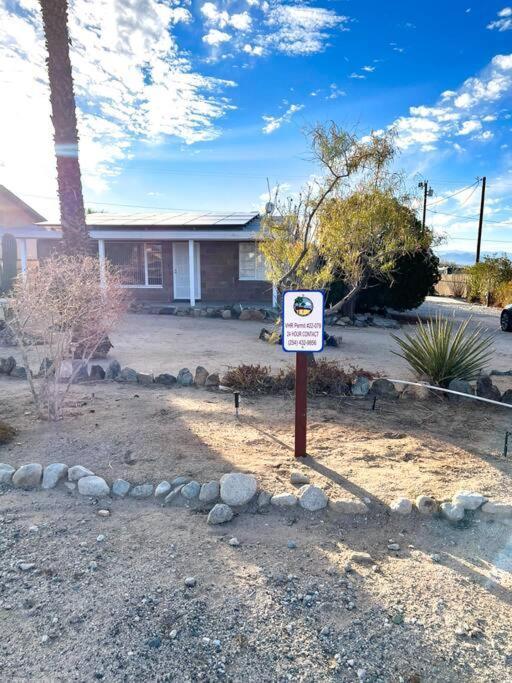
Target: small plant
[252,379]
[7,433]
[443,353]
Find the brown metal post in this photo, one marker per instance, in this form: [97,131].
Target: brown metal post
[301,405]
[480,221]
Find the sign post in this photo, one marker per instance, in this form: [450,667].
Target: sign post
[303,332]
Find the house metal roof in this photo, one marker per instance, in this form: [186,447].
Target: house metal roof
[185,219]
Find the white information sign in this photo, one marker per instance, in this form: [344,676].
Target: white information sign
[303,320]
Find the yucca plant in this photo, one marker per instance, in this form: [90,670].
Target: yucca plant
[442,352]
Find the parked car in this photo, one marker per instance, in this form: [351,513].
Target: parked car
[506,319]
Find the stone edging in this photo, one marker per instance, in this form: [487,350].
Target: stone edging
[237,492]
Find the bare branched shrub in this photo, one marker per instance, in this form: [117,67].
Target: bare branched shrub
[60,312]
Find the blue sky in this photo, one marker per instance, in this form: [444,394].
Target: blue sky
[192,105]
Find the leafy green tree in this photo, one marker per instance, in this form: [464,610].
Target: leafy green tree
[486,276]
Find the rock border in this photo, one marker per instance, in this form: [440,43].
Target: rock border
[238,492]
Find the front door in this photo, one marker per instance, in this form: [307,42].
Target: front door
[181,277]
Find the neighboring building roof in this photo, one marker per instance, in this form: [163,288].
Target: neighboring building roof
[14,212]
[213,220]
[31,232]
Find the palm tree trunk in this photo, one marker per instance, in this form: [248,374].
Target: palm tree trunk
[62,99]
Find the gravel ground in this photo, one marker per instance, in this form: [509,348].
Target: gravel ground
[84,597]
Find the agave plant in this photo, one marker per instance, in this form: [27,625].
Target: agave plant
[442,352]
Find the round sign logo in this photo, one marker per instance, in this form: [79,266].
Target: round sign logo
[303,306]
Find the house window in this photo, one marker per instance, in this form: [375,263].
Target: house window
[140,263]
[251,262]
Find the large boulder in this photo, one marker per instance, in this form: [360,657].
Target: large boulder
[201,376]
[462,386]
[220,514]
[401,506]
[145,379]
[7,365]
[349,507]
[127,375]
[237,488]
[415,393]
[142,491]
[93,486]
[53,474]
[361,386]
[503,510]
[191,490]
[6,472]
[312,498]
[486,389]
[426,505]
[470,500]
[185,377]
[284,500]
[97,373]
[212,381]
[454,512]
[166,379]
[113,370]
[162,489]
[383,388]
[77,472]
[120,487]
[209,492]
[28,476]
[507,397]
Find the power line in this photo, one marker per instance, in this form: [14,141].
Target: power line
[445,199]
[469,218]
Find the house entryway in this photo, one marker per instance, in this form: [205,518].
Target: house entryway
[186,261]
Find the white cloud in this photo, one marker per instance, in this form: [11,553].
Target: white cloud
[254,50]
[298,29]
[469,127]
[275,122]
[216,37]
[504,21]
[132,84]
[334,92]
[357,76]
[369,69]
[241,21]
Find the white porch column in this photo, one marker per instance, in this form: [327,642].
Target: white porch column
[192,272]
[23,256]
[274,296]
[101,255]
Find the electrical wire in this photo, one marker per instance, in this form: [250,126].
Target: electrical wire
[445,199]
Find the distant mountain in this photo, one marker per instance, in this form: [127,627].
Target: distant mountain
[464,258]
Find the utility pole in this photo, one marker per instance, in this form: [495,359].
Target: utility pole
[480,221]
[427,192]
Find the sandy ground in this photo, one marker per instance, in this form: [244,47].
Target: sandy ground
[402,448]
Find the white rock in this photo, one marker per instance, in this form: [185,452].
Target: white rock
[209,492]
[312,498]
[402,506]
[426,505]
[162,489]
[470,500]
[264,499]
[453,512]
[284,500]
[220,514]
[349,507]
[93,486]
[120,487]
[53,474]
[6,472]
[497,509]
[28,476]
[234,542]
[77,472]
[297,477]
[191,490]
[70,485]
[237,488]
[103,513]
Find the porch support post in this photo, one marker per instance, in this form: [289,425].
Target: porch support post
[274,296]
[101,255]
[192,272]
[23,256]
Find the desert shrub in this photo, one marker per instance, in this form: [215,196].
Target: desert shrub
[413,278]
[7,433]
[486,277]
[324,378]
[441,352]
[502,295]
[60,313]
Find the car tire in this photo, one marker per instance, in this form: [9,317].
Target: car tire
[506,321]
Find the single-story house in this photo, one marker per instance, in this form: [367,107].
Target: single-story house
[192,257]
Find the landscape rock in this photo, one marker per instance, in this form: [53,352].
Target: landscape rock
[486,389]
[7,365]
[6,472]
[362,558]
[127,375]
[312,498]
[402,506]
[283,500]
[74,370]
[383,388]
[77,472]
[209,492]
[166,379]
[162,489]
[426,505]
[93,486]
[220,514]
[145,379]
[462,386]
[190,581]
[142,491]
[173,495]
[226,314]
[120,487]
[212,380]
[53,474]
[70,486]
[180,480]
[507,397]
[28,476]
[454,512]
[415,393]
[191,490]
[185,378]
[264,499]
[497,509]
[237,488]
[361,386]
[470,500]
[201,376]
[113,370]
[297,477]
[97,373]
[349,507]
[19,372]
